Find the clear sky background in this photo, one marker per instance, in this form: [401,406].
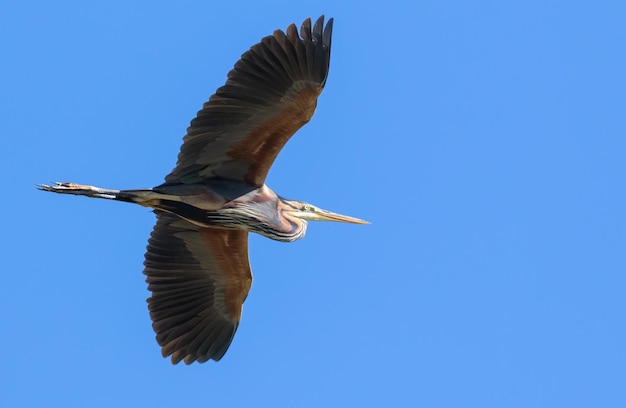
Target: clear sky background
[484,140]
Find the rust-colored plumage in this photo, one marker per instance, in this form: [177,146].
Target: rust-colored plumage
[196,262]
[199,278]
[270,93]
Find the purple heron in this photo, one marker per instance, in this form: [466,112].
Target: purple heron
[196,262]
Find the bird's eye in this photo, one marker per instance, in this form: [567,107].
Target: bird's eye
[309,208]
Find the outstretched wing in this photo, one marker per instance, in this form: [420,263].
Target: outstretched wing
[270,93]
[199,278]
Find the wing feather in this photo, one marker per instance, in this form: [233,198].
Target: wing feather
[269,94]
[199,278]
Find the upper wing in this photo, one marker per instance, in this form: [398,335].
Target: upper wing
[199,278]
[270,93]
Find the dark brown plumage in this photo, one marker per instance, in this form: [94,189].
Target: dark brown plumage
[270,93]
[199,278]
[196,263]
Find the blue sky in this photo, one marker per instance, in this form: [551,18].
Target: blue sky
[485,141]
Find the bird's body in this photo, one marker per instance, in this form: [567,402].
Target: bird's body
[197,260]
[220,205]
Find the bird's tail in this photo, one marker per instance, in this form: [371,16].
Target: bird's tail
[142,197]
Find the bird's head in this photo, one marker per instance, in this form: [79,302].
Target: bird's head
[288,220]
[308,212]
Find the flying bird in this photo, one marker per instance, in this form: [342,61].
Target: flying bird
[196,264]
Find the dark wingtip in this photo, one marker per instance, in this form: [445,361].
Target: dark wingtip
[305,30]
[318,33]
[317,29]
[328,32]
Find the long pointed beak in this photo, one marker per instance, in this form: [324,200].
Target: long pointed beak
[323,215]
